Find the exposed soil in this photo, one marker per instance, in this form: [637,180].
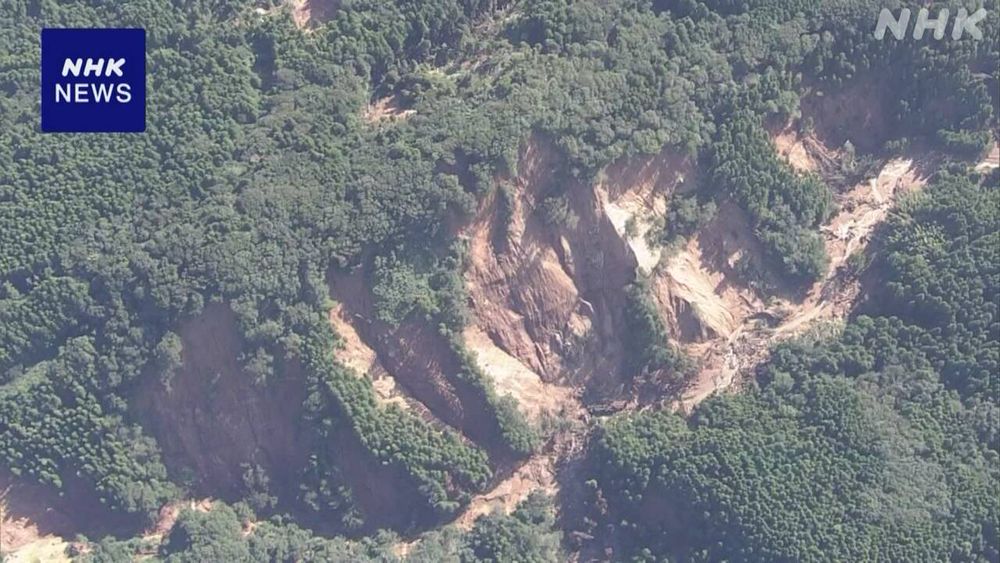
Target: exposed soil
[790,146]
[547,303]
[552,296]
[744,325]
[36,521]
[388,108]
[47,550]
[354,353]
[696,288]
[545,471]
[632,194]
[310,13]
[212,419]
[30,514]
[858,112]
[420,363]
[536,398]
[991,161]
[548,300]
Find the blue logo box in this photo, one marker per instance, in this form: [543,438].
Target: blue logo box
[93,80]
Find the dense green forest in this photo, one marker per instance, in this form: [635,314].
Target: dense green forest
[259,180]
[527,534]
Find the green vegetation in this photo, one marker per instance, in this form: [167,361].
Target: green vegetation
[557,213]
[259,178]
[785,209]
[524,535]
[646,345]
[443,468]
[685,216]
[879,442]
[514,431]
[226,534]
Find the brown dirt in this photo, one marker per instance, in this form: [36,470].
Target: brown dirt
[30,513]
[553,297]
[354,353]
[694,288]
[213,418]
[791,147]
[805,152]
[386,109]
[540,472]
[523,295]
[991,161]
[535,397]
[547,301]
[421,363]
[308,14]
[634,192]
[48,550]
[36,520]
[733,355]
[858,112]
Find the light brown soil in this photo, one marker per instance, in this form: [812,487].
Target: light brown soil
[310,13]
[538,474]
[45,550]
[991,161]
[386,109]
[805,152]
[694,288]
[419,361]
[522,293]
[354,353]
[542,292]
[28,514]
[535,397]
[36,520]
[553,296]
[633,196]
[791,147]
[725,360]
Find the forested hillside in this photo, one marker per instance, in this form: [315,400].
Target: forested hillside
[281,161]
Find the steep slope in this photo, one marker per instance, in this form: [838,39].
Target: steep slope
[210,418]
[550,292]
[730,326]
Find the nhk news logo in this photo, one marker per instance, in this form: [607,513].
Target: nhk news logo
[93,80]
